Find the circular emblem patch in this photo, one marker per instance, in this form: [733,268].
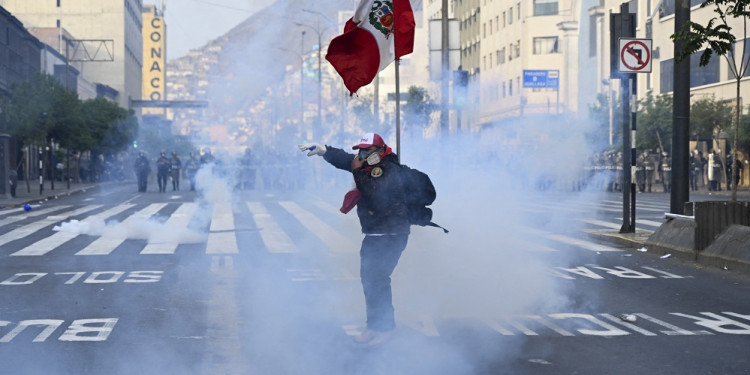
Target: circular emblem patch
[376,172]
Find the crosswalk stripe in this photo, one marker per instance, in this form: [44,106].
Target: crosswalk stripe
[274,238]
[48,244]
[334,240]
[107,243]
[35,226]
[30,214]
[179,219]
[221,238]
[586,245]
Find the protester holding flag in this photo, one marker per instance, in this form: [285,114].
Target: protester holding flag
[383,197]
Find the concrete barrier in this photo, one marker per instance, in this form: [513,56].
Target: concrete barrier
[676,236]
[730,250]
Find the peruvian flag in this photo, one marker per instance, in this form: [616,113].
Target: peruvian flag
[379,32]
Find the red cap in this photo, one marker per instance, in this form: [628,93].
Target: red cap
[370,139]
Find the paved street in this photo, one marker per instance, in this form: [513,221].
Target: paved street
[264,282]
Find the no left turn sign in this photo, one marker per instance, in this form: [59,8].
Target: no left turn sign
[635,55]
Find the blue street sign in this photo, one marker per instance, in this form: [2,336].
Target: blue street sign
[541,79]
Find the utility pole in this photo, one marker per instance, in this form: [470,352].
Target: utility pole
[444,110]
[680,193]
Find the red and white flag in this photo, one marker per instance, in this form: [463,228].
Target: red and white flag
[379,32]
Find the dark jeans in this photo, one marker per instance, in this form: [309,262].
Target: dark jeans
[378,258]
[161,177]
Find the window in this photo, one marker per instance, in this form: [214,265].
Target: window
[518,48]
[497,23]
[484,62]
[545,45]
[510,16]
[58,3]
[503,19]
[503,89]
[510,52]
[484,30]
[545,7]
[518,8]
[500,56]
[699,75]
[490,27]
[510,87]
[738,48]
[666,7]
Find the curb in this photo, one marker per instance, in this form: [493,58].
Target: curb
[66,193]
[638,240]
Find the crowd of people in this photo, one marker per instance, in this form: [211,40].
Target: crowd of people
[269,170]
[653,171]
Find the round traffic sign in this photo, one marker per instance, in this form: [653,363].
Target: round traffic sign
[631,56]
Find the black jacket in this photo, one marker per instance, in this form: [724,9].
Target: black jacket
[382,209]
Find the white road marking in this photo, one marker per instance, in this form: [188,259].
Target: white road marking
[221,238]
[334,240]
[36,226]
[50,243]
[274,238]
[106,244]
[178,219]
[33,213]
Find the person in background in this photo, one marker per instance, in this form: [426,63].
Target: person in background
[176,171]
[163,167]
[142,169]
[191,168]
[666,172]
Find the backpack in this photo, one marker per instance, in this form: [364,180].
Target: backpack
[421,193]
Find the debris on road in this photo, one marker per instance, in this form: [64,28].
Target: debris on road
[628,317]
[665,256]
[643,249]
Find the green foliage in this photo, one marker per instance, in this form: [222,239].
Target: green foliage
[111,128]
[708,116]
[716,36]
[418,108]
[27,111]
[599,114]
[40,110]
[654,123]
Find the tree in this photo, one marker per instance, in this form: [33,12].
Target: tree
[599,115]
[707,117]
[418,108]
[27,112]
[716,37]
[112,128]
[655,123]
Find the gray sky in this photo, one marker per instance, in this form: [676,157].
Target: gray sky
[192,23]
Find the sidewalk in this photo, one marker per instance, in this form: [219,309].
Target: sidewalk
[24,195]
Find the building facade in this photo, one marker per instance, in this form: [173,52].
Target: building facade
[154,58]
[20,52]
[118,21]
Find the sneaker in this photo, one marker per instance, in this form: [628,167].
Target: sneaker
[365,336]
[380,337]
[373,338]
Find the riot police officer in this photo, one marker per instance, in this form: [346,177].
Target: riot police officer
[666,172]
[163,166]
[142,169]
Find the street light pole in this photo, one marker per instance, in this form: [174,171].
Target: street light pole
[302,80]
[319,123]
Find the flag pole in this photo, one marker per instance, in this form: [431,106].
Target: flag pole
[398,113]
